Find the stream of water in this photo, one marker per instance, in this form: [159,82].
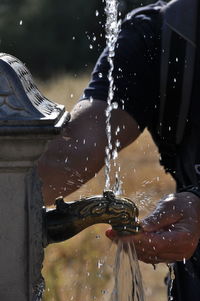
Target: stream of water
[112,30]
[128,281]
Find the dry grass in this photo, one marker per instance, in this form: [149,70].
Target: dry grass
[71,268]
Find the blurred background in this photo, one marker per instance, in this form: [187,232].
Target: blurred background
[59,41]
[56,36]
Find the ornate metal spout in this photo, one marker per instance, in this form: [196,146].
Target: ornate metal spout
[68,219]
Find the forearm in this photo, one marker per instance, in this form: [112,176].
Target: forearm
[72,159]
[63,168]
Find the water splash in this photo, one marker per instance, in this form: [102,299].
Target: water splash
[128,280]
[171,280]
[112,30]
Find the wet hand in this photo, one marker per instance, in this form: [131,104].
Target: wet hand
[170,233]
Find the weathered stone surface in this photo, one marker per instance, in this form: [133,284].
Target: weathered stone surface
[21,233]
[28,121]
[21,103]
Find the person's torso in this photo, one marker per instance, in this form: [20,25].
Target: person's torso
[182,161]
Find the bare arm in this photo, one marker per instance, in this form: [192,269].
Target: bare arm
[74,158]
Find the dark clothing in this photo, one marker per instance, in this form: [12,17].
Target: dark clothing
[136,90]
[137,65]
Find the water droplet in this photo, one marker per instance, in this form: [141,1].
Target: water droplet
[100,263]
[115,105]
[100,75]
[107,150]
[115,154]
[117,143]
[20,22]
[91,46]
[91,99]
[117,130]
[128,16]
[97,13]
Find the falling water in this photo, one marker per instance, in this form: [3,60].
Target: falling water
[128,281]
[112,30]
[171,280]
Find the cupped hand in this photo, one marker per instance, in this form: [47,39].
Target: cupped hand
[170,233]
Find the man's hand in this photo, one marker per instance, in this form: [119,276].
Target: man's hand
[171,233]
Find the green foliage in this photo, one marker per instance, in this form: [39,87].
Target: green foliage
[52,36]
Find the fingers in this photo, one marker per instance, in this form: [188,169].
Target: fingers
[158,221]
[111,234]
[171,233]
[162,217]
[159,247]
[163,247]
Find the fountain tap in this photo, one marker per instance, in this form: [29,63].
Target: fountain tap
[68,219]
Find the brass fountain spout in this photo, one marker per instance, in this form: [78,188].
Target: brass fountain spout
[68,219]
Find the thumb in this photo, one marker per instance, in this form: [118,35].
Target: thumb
[111,234]
[158,220]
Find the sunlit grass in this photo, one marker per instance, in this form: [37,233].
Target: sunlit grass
[75,270]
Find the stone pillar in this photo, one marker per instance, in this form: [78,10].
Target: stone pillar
[27,122]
